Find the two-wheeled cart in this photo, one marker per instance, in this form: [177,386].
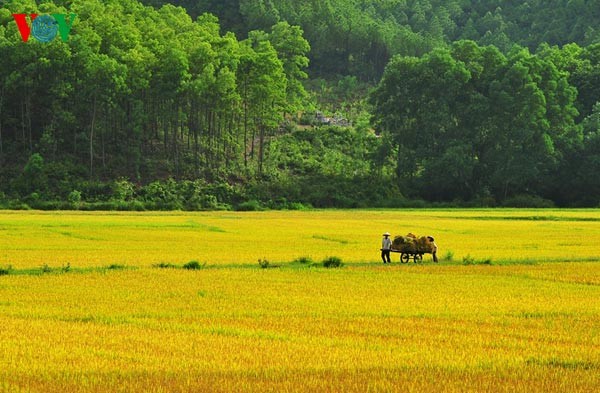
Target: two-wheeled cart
[411,247]
[406,254]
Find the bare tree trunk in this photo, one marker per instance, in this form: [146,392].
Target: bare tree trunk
[103,150]
[165,127]
[93,125]
[228,139]
[194,128]
[28,112]
[1,106]
[22,121]
[173,125]
[252,140]
[245,130]
[261,144]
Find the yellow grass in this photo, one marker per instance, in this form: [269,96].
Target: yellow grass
[31,239]
[532,325]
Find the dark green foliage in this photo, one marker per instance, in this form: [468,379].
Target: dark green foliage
[527,201]
[165,265]
[358,38]
[332,262]
[4,271]
[468,260]
[471,123]
[263,263]
[130,97]
[449,256]
[249,206]
[303,260]
[115,267]
[193,265]
[161,109]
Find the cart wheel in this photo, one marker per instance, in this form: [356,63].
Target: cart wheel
[404,258]
[418,258]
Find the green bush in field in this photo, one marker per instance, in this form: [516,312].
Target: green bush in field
[194,265]
[249,206]
[469,260]
[263,263]
[527,201]
[165,265]
[4,271]
[449,256]
[332,262]
[303,260]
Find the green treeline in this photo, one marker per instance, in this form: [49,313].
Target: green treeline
[142,94]
[471,123]
[358,37]
[211,104]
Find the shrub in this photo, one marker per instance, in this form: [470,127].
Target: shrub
[298,206]
[97,191]
[331,262]
[136,205]
[5,270]
[303,260]
[74,198]
[201,202]
[449,256]
[468,260]
[249,206]
[165,265]
[163,195]
[263,263]
[52,205]
[115,267]
[123,190]
[18,205]
[194,265]
[45,268]
[527,201]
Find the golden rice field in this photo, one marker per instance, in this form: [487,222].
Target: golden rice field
[528,322]
[31,239]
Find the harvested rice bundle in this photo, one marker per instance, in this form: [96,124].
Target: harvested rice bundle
[424,245]
[404,243]
[410,243]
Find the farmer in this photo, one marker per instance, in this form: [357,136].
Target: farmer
[386,246]
[433,248]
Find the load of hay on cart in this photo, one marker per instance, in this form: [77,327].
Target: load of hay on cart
[412,247]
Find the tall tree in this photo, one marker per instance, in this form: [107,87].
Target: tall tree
[469,119]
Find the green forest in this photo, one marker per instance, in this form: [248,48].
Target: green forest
[281,104]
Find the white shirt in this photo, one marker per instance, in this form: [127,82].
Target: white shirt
[386,244]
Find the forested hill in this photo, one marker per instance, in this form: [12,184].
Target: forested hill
[143,104]
[358,37]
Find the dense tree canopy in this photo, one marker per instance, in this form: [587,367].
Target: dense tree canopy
[209,104]
[359,37]
[138,92]
[471,122]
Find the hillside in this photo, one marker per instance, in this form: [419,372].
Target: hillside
[129,105]
[358,37]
